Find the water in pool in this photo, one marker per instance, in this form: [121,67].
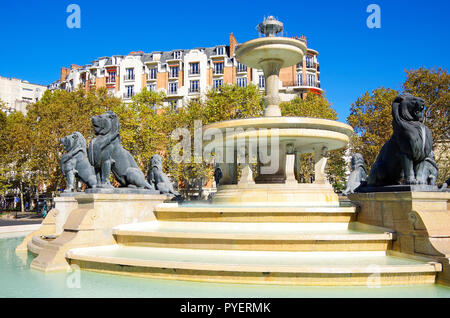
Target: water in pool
[18,280]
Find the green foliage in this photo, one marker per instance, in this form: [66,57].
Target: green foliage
[313,106]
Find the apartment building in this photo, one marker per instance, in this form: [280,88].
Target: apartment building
[17,94]
[186,74]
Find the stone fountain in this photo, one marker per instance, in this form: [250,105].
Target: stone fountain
[270,229]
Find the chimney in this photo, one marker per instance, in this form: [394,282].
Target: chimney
[64,72]
[233,44]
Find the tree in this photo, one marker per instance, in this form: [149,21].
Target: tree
[316,106]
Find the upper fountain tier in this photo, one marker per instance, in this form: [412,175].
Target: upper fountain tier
[255,53]
[271,53]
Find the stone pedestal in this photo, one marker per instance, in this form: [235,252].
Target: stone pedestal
[420,219]
[299,194]
[54,221]
[92,222]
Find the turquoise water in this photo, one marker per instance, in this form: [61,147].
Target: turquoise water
[18,280]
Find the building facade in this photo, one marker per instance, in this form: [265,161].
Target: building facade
[186,74]
[17,94]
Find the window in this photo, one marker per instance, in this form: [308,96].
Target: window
[195,86]
[241,67]
[261,81]
[309,61]
[173,104]
[111,77]
[217,83]
[27,89]
[311,78]
[173,87]
[194,68]
[177,55]
[151,87]
[218,68]
[220,50]
[129,91]
[241,81]
[129,74]
[152,73]
[299,79]
[174,71]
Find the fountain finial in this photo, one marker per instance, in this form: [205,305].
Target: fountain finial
[270,26]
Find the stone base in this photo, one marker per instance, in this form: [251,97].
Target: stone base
[92,222]
[55,219]
[311,194]
[420,219]
[121,191]
[398,188]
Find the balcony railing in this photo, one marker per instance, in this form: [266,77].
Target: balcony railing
[194,72]
[110,80]
[128,77]
[240,69]
[194,89]
[296,84]
[218,71]
[128,95]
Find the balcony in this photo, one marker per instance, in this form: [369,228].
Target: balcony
[129,77]
[172,92]
[172,75]
[194,90]
[295,84]
[110,80]
[151,77]
[241,69]
[194,72]
[128,95]
[218,71]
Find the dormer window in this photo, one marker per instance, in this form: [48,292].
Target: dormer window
[177,55]
[220,50]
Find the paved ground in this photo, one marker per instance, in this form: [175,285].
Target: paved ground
[22,219]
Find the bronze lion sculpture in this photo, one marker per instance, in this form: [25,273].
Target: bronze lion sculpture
[107,155]
[158,178]
[408,153]
[75,162]
[357,176]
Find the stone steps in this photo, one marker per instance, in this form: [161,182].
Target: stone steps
[304,268]
[255,236]
[254,214]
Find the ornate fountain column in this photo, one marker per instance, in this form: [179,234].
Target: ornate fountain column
[271,68]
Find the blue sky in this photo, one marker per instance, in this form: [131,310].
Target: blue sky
[353,58]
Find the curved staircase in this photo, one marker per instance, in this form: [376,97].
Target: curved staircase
[270,245]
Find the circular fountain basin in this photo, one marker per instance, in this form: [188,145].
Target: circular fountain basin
[303,133]
[255,52]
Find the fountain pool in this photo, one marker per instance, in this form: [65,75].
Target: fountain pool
[17,280]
